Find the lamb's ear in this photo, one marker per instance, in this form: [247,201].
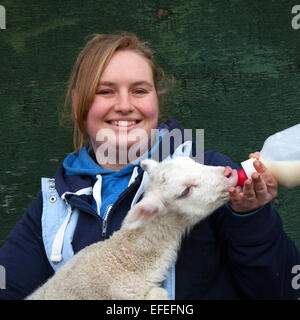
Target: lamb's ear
[143,212]
[148,165]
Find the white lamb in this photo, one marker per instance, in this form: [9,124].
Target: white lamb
[134,261]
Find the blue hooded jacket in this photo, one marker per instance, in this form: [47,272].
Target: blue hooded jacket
[226,256]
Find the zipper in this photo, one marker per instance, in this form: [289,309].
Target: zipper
[81,205]
[108,214]
[104,222]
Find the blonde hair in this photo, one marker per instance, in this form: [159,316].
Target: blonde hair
[84,79]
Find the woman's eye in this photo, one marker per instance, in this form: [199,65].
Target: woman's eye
[103,92]
[140,91]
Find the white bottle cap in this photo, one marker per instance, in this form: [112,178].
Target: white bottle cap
[248,167]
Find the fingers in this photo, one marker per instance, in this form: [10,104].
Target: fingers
[248,190]
[269,180]
[257,191]
[235,193]
[242,198]
[255,155]
[253,195]
[259,186]
[259,166]
[235,197]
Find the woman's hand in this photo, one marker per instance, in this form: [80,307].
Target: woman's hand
[256,192]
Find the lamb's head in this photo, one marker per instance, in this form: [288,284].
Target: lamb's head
[183,186]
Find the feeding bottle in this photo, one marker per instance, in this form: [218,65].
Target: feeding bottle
[281,156]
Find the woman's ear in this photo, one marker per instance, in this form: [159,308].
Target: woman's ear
[74,104]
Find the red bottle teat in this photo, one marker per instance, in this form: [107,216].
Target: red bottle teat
[242,177]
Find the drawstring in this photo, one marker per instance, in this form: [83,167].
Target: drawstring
[97,192]
[57,245]
[56,256]
[141,189]
[134,175]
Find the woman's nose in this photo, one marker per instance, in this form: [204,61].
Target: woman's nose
[123,104]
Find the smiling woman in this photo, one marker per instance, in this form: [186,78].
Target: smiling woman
[126,99]
[112,73]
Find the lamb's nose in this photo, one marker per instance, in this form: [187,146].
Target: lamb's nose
[227,172]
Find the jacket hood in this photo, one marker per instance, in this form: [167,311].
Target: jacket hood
[81,163]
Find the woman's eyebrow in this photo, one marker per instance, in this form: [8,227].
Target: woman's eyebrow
[136,83]
[141,83]
[106,83]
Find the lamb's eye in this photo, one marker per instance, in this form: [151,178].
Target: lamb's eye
[185,192]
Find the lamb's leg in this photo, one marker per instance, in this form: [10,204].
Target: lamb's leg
[157,293]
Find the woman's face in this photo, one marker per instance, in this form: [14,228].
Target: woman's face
[125,100]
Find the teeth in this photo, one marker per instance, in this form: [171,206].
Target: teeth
[123,123]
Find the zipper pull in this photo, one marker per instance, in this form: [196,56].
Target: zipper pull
[104,222]
[104,228]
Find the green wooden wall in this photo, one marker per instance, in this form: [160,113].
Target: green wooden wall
[236,62]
